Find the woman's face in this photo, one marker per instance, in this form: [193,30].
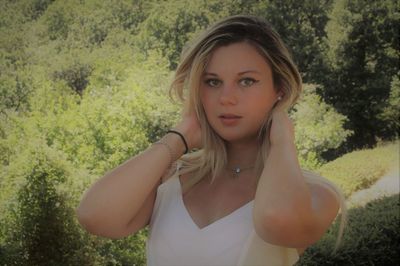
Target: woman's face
[237,91]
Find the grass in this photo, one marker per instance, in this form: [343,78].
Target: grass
[360,169]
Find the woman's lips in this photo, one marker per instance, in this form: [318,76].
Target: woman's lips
[229,119]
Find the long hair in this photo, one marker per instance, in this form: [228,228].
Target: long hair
[212,158]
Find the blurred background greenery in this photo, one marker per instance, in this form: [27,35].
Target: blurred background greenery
[83,87]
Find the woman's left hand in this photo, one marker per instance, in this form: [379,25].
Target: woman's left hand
[282,128]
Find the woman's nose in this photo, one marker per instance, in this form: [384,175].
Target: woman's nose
[228,95]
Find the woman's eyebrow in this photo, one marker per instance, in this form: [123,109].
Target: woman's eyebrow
[249,71]
[240,73]
[210,74]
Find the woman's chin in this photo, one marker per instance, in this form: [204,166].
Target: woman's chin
[238,138]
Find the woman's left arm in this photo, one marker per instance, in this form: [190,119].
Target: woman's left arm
[288,211]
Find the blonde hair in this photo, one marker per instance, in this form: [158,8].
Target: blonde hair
[212,158]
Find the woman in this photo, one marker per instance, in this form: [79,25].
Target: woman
[241,198]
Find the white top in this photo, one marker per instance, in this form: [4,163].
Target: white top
[175,240]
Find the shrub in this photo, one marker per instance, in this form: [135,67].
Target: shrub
[38,227]
[127,251]
[76,76]
[391,112]
[318,128]
[360,169]
[371,237]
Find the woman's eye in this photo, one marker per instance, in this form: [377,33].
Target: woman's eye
[246,82]
[213,82]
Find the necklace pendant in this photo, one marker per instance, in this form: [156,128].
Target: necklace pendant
[235,172]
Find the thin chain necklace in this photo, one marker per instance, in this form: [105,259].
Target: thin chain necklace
[237,170]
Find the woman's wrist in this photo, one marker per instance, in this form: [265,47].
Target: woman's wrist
[187,132]
[182,138]
[284,149]
[175,144]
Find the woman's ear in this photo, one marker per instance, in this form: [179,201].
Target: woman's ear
[281,94]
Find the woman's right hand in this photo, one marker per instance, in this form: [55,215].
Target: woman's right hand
[189,126]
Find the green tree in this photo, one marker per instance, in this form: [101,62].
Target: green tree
[170,26]
[39,227]
[15,79]
[391,111]
[318,128]
[33,9]
[364,55]
[75,75]
[301,25]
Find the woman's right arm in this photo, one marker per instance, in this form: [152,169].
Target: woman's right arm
[121,202]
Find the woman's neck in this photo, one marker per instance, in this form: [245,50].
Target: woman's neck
[242,154]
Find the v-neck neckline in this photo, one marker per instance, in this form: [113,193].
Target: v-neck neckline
[216,222]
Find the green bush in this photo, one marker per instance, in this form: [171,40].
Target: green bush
[127,251]
[391,111]
[116,117]
[360,169]
[318,127]
[372,237]
[38,226]
[39,191]
[76,76]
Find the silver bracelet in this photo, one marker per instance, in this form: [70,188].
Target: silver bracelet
[170,151]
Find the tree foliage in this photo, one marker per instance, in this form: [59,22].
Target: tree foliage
[364,56]
[318,128]
[391,111]
[41,225]
[301,24]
